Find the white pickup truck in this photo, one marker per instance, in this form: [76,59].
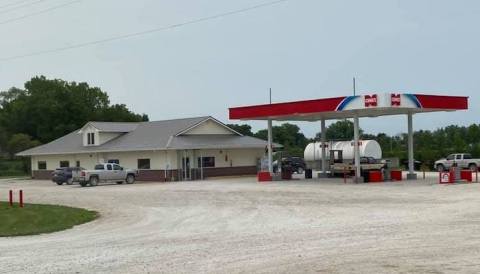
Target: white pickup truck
[105,173]
[461,160]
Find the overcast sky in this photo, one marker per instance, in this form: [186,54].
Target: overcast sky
[302,49]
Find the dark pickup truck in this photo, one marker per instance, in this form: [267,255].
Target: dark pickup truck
[64,175]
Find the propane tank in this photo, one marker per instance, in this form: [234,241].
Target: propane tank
[368,148]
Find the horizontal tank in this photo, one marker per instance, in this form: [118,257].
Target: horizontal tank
[368,148]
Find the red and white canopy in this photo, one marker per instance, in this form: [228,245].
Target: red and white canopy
[372,105]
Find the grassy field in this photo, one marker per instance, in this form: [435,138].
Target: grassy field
[36,219]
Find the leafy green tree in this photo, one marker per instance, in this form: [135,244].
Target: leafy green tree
[19,142]
[242,129]
[340,130]
[288,135]
[48,109]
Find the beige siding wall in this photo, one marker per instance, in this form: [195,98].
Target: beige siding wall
[208,127]
[159,160]
[233,157]
[53,161]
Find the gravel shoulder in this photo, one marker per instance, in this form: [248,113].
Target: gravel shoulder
[240,226]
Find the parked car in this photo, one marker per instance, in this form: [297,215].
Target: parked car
[297,164]
[64,175]
[105,173]
[417,165]
[461,160]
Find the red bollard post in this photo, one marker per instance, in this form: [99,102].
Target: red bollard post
[20,194]
[10,198]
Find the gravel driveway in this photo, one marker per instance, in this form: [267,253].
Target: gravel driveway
[238,225]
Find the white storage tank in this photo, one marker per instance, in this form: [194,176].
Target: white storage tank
[368,148]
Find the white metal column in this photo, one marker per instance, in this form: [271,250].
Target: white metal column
[270,158]
[201,164]
[411,165]
[356,139]
[324,152]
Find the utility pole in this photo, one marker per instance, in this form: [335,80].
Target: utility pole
[270,141]
[354,87]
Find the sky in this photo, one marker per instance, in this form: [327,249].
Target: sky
[301,49]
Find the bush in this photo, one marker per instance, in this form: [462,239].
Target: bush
[17,167]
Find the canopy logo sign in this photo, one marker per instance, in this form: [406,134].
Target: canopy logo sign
[371,100]
[396,100]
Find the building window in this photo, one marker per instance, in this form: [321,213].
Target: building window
[42,165]
[206,162]
[77,164]
[143,163]
[114,161]
[91,138]
[64,164]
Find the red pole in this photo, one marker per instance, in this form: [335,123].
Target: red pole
[21,198]
[10,197]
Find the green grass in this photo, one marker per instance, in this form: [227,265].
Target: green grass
[35,219]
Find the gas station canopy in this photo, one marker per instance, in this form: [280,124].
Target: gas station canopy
[373,105]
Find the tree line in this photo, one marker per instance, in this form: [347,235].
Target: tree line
[429,145]
[46,109]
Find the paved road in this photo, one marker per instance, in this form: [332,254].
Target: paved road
[239,226]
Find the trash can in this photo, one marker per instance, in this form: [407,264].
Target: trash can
[466,175]
[396,175]
[308,174]
[375,176]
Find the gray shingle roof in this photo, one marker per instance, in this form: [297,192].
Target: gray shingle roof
[157,135]
[114,127]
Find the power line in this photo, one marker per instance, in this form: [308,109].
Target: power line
[14,4]
[22,6]
[135,34]
[39,12]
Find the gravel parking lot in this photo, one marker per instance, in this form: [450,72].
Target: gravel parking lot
[238,225]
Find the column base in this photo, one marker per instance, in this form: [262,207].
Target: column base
[359,180]
[411,176]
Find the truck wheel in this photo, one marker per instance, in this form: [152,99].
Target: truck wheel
[59,183]
[83,184]
[473,167]
[440,168]
[130,179]
[70,181]
[93,181]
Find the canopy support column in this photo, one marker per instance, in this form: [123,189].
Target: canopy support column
[270,158]
[324,152]
[411,164]
[356,140]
